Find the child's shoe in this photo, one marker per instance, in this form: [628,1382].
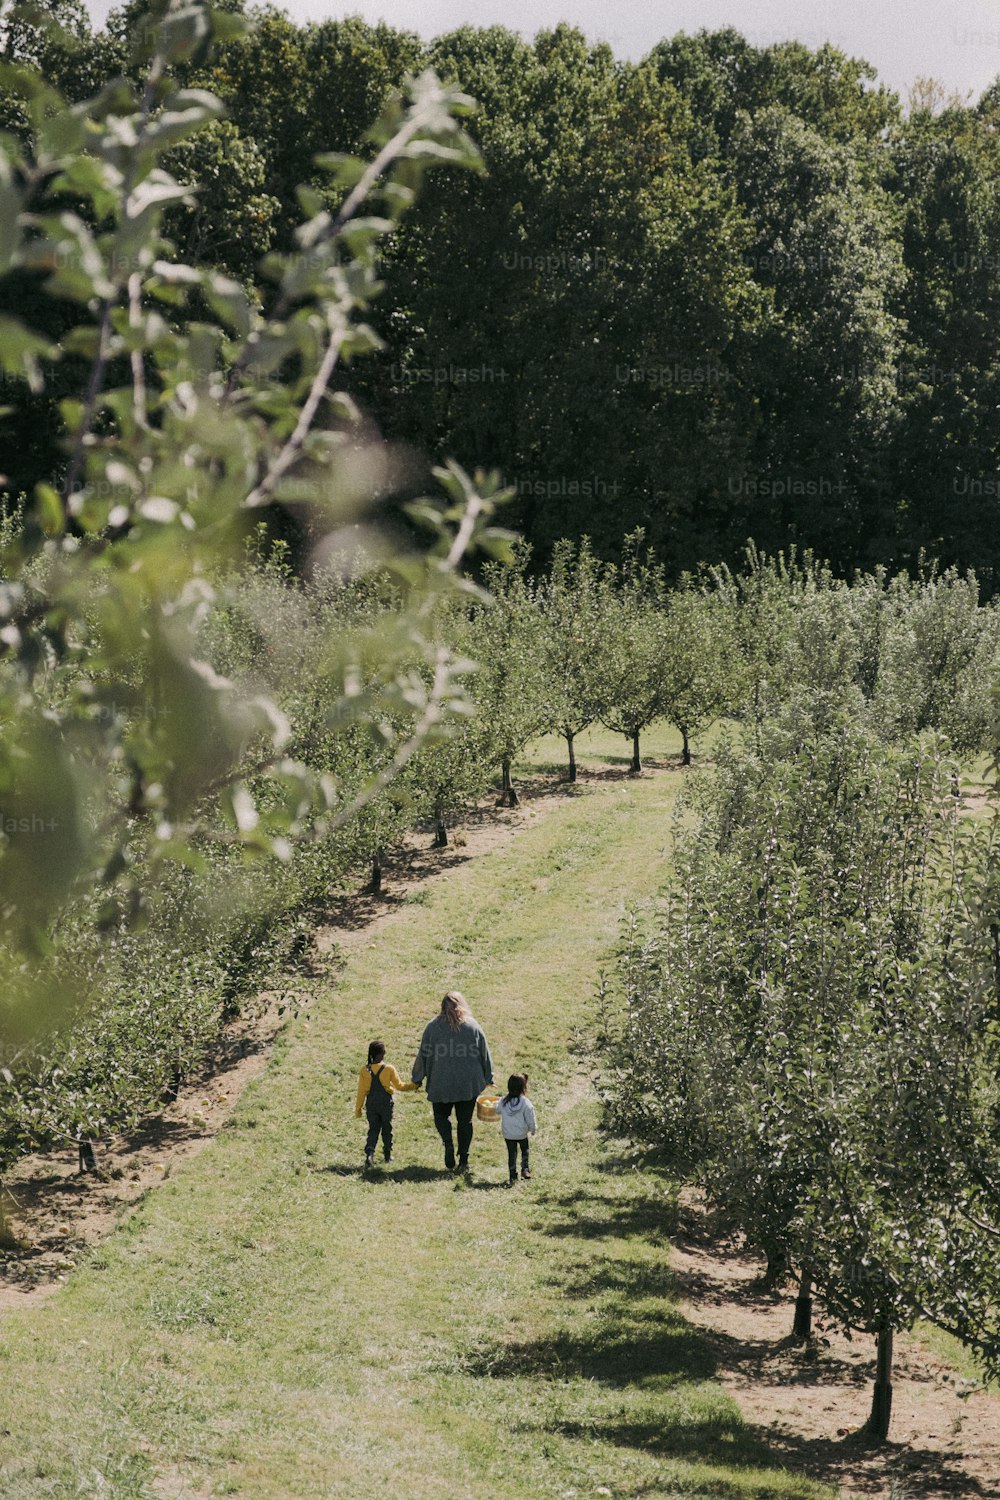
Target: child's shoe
[526,1174]
[369,1162]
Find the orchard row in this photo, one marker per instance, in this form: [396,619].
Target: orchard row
[807,1024]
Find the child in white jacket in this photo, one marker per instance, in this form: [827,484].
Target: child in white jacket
[517,1123]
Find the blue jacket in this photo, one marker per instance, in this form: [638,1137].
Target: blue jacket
[517,1118]
[454,1064]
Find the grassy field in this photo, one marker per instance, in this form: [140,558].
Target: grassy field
[269,1324]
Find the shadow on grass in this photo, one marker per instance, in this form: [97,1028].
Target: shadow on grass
[915,1470]
[620,1331]
[624,1341]
[656,1352]
[722,1440]
[379,1173]
[727,1442]
[578,1216]
[626,1281]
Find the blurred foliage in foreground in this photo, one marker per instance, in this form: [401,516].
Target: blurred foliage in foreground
[194,405]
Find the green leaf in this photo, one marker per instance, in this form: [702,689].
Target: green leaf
[50,509]
[21,350]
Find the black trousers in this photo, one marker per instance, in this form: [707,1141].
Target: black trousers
[379,1124]
[463,1124]
[512,1155]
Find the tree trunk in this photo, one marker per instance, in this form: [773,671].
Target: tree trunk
[877,1425]
[88,1156]
[508,794]
[440,834]
[636,760]
[173,1088]
[802,1322]
[686,748]
[8,1240]
[777,1266]
[375,885]
[569,737]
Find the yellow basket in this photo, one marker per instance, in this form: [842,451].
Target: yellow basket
[486,1107]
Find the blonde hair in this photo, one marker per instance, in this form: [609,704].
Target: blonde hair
[455,1009]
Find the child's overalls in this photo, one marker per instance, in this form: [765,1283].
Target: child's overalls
[378,1108]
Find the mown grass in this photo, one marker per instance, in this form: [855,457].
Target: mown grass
[271,1325]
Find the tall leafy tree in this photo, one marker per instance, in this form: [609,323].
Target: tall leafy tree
[504,638]
[825,250]
[946,452]
[574,599]
[597,370]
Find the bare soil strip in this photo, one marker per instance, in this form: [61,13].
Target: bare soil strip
[811,1402]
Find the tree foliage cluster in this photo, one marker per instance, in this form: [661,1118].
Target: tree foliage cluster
[806,1025]
[725,291]
[587,641]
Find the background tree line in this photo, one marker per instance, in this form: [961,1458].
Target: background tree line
[727,291]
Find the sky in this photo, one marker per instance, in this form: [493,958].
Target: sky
[957,41]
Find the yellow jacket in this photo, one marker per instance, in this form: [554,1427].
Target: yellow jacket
[389,1079]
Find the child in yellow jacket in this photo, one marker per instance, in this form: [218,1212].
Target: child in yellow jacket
[377,1082]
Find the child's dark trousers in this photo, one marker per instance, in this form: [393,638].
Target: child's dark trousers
[512,1156]
[379,1124]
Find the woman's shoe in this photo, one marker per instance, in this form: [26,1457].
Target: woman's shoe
[369,1162]
[449,1160]
[526,1174]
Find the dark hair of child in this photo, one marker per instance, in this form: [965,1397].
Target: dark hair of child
[517,1084]
[376,1052]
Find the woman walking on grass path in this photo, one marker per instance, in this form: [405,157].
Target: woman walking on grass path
[455,1064]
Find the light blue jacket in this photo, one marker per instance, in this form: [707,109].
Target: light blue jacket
[517,1118]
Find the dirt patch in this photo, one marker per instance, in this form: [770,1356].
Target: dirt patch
[579,1088]
[979,802]
[57,1213]
[809,1403]
[171,1484]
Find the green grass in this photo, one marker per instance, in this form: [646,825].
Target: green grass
[270,1325]
[962,1360]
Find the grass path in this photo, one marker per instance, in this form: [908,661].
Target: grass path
[268,1324]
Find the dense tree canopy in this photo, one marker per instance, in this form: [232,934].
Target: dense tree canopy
[725,291]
